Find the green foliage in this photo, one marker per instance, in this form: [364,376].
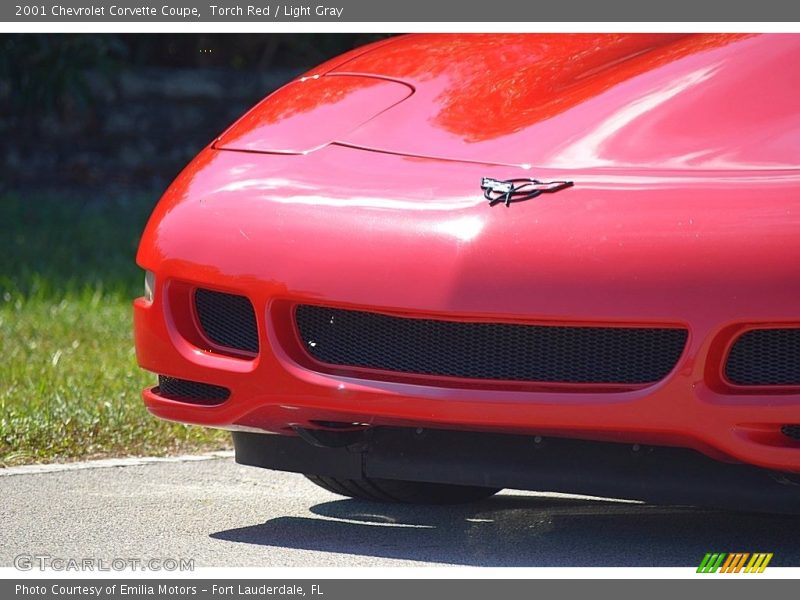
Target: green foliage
[47,73]
[244,51]
[70,384]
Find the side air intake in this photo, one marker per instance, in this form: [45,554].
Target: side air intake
[765,357]
[227,320]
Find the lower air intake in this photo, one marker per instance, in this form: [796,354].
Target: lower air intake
[192,392]
[489,351]
[765,357]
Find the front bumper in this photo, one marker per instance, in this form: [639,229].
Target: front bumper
[594,257]
[276,392]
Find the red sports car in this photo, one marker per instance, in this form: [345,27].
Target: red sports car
[442,265]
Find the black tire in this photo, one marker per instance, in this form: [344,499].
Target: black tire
[402,492]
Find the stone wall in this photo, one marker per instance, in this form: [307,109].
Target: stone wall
[143,126]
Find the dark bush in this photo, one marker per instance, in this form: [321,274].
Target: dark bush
[45,74]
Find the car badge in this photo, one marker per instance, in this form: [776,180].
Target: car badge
[517,190]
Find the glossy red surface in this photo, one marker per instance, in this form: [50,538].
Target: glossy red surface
[685,212]
[311,112]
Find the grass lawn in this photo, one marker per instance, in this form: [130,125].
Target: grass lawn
[69,384]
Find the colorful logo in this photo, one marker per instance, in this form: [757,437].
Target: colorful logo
[734,562]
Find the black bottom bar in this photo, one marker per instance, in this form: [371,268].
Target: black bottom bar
[658,475]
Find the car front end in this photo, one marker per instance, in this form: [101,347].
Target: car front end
[345,299]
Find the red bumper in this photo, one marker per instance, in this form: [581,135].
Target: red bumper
[698,253]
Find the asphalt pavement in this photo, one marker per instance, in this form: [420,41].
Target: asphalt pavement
[223,514]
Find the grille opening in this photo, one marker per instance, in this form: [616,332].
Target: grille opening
[489,351]
[227,320]
[791,431]
[765,357]
[191,391]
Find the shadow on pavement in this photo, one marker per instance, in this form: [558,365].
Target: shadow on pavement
[525,530]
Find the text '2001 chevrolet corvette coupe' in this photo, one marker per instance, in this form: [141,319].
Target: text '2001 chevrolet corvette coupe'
[442,265]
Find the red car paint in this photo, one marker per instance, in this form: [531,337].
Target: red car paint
[357,186]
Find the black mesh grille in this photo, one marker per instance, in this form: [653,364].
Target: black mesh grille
[191,391]
[765,357]
[227,319]
[499,351]
[791,431]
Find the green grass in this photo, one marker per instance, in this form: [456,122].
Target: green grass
[69,383]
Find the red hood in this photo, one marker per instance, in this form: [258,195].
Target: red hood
[712,101]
